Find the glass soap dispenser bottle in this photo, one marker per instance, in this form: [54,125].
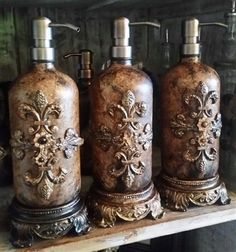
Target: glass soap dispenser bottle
[191,126]
[45,141]
[85,76]
[226,67]
[121,126]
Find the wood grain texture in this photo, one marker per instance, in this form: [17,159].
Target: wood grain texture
[96,30]
[124,233]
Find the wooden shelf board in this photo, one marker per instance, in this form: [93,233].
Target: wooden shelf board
[125,233]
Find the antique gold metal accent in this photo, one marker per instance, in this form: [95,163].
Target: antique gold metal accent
[44,144]
[204,126]
[108,207]
[129,138]
[199,126]
[180,194]
[48,223]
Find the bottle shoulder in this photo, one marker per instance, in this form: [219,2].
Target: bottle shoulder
[122,73]
[190,70]
[39,76]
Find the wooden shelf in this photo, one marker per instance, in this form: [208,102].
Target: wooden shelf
[123,233]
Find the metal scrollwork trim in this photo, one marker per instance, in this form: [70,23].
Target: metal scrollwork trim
[43,143]
[203,125]
[106,215]
[48,223]
[129,138]
[180,200]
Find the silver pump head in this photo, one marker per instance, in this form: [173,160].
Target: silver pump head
[121,34]
[42,35]
[191,44]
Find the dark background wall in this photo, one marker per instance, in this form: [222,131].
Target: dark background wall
[95,21]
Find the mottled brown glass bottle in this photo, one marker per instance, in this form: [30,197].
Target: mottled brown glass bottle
[44,120]
[191,126]
[121,127]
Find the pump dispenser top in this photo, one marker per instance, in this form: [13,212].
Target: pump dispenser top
[191,44]
[44,113]
[42,36]
[121,35]
[190,111]
[85,70]
[121,109]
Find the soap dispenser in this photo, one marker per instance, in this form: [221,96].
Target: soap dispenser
[45,141]
[85,76]
[121,128]
[226,67]
[191,127]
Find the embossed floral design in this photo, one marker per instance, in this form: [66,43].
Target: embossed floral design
[129,139]
[45,148]
[40,114]
[70,143]
[202,123]
[43,143]
[179,126]
[128,165]
[217,125]
[19,144]
[128,108]
[145,137]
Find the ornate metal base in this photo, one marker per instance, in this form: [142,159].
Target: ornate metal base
[106,207]
[48,223]
[180,194]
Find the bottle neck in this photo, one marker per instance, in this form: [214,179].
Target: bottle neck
[122,61]
[44,65]
[189,58]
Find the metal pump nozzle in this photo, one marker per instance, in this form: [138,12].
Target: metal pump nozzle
[190,37]
[121,34]
[42,35]
[85,70]
[121,48]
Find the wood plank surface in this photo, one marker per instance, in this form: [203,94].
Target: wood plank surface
[124,233]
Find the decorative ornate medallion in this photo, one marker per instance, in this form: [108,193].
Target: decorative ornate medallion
[139,206]
[203,125]
[43,143]
[129,139]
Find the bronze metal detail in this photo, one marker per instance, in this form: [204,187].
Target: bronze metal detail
[128,207]
[48,223]
[129,138]
[191,127]
[128,109]
[204,125]
[3,153]
[179,194]
[44,144]
[121,130]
